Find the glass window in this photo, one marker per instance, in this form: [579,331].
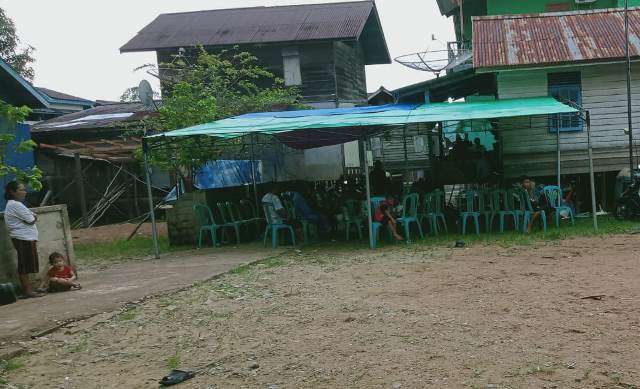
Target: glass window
[567,88]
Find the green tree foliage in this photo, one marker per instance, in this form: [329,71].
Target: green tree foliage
[9,117]
[19,58]
[212,87]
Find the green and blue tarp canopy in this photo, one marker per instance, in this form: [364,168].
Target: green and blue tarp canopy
[306,129]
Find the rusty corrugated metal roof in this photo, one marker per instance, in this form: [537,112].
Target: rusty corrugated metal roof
[553,38]
[294,23]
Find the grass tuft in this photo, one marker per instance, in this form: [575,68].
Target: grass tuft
[173,362]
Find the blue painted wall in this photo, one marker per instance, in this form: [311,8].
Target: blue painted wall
[21,160]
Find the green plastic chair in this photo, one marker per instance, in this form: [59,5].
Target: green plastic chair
[233,211]
[433,206]
[486,209]
[410,214]
[470,210]
[503,208]
[352,213]
[553,194]
[249,212]
[228,219]
[208,223]
[274,227]
[517,204]
[529,212]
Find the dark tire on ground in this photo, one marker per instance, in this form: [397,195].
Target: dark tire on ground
[623,212]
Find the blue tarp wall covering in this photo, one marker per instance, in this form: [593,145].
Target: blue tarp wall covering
[20,160]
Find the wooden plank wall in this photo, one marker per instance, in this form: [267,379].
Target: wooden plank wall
[350,71]
[530,148]
[393,149]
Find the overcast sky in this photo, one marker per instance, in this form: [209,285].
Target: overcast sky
[77,41]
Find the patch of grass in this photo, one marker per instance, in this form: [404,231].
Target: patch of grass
[137,248]
[268,263]
[80,346]
[10,365]
[173,362]
[129,313]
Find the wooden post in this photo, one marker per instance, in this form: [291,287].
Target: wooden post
[81,193]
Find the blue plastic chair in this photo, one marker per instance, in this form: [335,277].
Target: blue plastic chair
[553,193]
[352,213]
[503,208]
[208,223]
[470,210]
[432,211]
[410,214]
[375,226]
[529,212]
[274,227]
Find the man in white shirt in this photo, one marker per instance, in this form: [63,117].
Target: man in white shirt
[278,212]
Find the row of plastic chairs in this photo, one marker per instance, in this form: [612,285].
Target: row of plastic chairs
[509,205]
[232,217]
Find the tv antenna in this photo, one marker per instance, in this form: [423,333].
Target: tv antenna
[437,57]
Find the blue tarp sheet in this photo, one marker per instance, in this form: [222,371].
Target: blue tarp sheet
[222,174]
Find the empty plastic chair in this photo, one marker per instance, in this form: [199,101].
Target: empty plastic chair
[275,225]
[208,224]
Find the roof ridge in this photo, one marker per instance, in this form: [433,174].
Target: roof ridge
[554,14]
[263,7]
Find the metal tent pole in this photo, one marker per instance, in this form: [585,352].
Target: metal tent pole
[365,170]
[626,50]
[558,148]
[406,157]
[253,174]
[591,177]
[154,229]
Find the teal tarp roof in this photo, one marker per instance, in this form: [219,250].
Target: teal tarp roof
[317,128]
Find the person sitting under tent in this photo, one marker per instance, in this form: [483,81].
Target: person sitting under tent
[384,216]
[305,212]
[279,214]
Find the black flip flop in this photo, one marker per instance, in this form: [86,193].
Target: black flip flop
[176,377]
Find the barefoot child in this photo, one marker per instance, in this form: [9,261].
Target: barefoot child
[383,216]
[60,276]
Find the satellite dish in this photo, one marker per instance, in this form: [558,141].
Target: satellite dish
[146,94]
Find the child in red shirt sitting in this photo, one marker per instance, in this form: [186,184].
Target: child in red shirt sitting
[60,276]
[383,216]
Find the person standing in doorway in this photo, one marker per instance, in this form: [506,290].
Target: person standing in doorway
[21,223]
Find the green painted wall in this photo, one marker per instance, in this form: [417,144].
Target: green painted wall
[506,7]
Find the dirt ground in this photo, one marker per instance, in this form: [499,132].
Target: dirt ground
[113,232]
[556,315]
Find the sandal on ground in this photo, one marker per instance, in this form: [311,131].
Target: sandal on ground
[32,295]
[176,377]
[76,287]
